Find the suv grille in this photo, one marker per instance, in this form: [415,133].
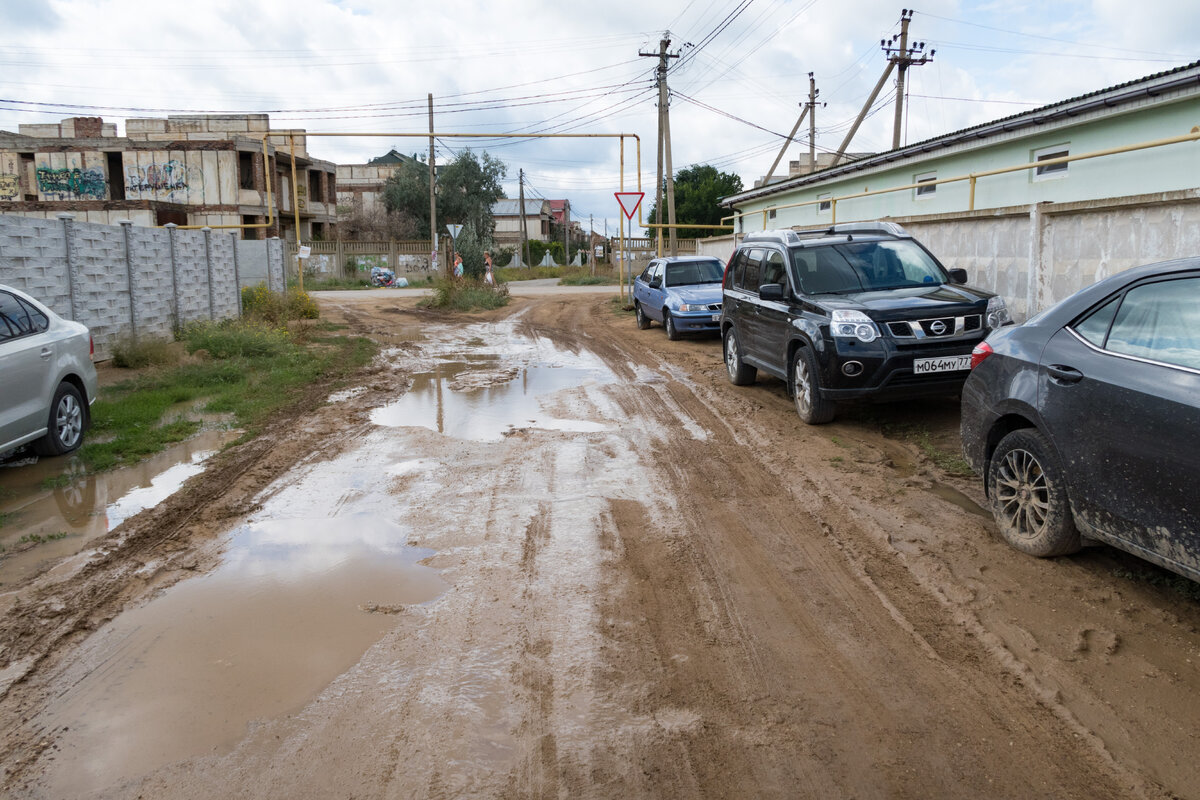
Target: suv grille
[936,328]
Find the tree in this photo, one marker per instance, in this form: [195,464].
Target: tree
[471,249]
[467,188]
[697,192]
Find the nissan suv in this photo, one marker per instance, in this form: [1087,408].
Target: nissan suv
[858,310]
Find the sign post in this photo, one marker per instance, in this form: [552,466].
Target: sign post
[629,202]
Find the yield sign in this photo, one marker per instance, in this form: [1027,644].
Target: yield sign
[629,202]
[454,230]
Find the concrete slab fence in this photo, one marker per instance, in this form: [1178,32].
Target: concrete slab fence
[130,281]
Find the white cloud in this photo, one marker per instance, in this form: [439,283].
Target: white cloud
[367,65]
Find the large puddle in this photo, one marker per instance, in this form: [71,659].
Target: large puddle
[52,510]
[295,603]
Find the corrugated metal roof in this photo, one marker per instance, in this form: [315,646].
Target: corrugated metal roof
[1116,95]
[511,208]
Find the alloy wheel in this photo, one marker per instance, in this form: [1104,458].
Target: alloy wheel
[1022,493]
[68,421]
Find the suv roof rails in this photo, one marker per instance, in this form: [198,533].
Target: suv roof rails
[789,236]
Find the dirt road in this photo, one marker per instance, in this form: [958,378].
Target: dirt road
[541,553]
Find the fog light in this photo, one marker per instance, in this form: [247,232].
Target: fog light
[852,368]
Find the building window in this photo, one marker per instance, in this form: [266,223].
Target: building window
[245,170]
[1051,170]
[825,202]
[928,190]
[771,214]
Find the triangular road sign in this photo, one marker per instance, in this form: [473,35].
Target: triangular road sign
[454,230]
[629,202]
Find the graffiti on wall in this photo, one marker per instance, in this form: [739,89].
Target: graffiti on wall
[10,187]
[170,180]
[72,183]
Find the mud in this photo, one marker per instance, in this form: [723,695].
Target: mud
[539,553]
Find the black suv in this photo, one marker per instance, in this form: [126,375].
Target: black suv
[851,311]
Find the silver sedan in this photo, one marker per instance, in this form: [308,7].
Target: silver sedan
[47,379]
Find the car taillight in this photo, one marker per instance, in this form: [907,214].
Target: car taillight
[91,347]
[981,351]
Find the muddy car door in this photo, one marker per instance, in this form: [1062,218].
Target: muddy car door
[774,318]
[1120,394]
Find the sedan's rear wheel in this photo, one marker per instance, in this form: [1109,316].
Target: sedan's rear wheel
[66,423]
[642,320]
[1029,497]
[740,374]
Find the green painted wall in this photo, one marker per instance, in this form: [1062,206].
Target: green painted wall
[1168,168]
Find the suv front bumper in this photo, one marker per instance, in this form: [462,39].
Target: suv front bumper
[887,369]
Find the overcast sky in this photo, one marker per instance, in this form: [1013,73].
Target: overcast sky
[519,66]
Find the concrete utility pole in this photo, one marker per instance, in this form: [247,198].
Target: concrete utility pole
[566,232]
[433,237]
[592,242]
[524,240]
[664,141]
[904,57]
[812,122]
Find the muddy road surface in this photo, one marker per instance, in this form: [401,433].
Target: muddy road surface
[540,553]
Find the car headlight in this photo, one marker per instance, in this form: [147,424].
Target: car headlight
[997,313]
[853,325]
[692,307]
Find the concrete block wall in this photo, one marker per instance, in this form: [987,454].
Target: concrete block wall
[118,279]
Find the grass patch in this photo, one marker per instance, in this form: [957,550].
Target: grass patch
[949,462]
[57,481]
[587,279]
[466,296]
[35,538]
[505,274]
[332,283]
[252,371]
[621,307]
[6,517]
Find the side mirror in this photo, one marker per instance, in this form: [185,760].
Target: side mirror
[958,276]
[656,282]
[771,291]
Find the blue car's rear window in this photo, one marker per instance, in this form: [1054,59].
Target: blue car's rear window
[692,272]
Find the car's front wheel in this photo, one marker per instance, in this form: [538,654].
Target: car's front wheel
[806,390]
[1029,496]
[66,423]
[642,320]
[669,324]
[740,374]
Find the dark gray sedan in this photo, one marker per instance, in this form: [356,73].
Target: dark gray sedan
[1085,421]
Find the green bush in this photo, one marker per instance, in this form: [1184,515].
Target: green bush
[466,296]
[275,308]
[237,338]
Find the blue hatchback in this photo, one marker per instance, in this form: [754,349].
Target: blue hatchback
[683,293]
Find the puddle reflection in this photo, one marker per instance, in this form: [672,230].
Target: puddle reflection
[80,508]
[457,400]
[288,611]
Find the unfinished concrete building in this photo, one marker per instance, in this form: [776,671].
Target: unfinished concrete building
[188,170]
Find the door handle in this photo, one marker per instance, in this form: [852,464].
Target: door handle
[46,353]
[1063,374]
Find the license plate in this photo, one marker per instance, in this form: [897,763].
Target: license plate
[716,318]
[924,366]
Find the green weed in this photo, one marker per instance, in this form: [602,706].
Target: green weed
[466,296]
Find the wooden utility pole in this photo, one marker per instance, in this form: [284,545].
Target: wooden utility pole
[904,57]
[524,240]
[664,142]
[566,232]
[433,237]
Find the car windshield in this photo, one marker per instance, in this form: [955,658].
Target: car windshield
[860,266]
[687,273]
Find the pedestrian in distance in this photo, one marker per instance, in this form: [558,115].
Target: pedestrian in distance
[458,266]
[488,276]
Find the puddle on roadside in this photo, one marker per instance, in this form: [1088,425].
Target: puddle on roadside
[952,495]
[294,604]
[65,519]
[461,400]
